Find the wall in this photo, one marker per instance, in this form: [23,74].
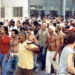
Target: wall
[0,9]
[9,4]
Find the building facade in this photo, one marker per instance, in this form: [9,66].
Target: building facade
[26,8]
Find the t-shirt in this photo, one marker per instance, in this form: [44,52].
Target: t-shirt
[42,37]
[63,66]
[5,44]
[26,56]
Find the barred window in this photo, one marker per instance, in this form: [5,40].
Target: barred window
[2,12]
[17,12]
[40,7]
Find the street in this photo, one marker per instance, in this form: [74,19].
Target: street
[40,73]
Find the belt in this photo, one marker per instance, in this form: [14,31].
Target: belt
[13,54]
[51,50]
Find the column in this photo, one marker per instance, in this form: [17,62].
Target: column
[26,9]
[0,9]
[64,8]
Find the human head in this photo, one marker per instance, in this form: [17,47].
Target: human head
[44,25]
[57,29]
[71,38]
[18,23]
[24,23]
[29,30]
[12,23]
[14,33]
[51,29]
[4,30]
[22,36]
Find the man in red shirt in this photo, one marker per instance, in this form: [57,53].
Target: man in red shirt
[4,44]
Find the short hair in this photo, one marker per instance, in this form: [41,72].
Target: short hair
[24,34]
[58,27]
[18,21]
[71,38]
[6,29]
[12,23]
[24,23]
[14,30]
[1,23]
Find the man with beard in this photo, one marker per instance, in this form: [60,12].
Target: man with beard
[4,46]
[12,58]
[25,64]
[52,51]
[60,35]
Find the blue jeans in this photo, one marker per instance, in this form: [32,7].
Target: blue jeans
[9,68]
[43,57]
[2,56]
[4,66]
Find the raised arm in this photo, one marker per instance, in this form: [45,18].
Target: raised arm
[71,67]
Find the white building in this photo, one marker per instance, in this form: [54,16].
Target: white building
[14,8]
[25,8]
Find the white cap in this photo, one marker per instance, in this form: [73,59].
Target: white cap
[52,27]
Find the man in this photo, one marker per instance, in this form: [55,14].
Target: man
[52,52]
[18,24]
[42,37]
[66,64]
[31,37]
[4,44]
[60,37]
[12,58]
[1,23]
[25,64]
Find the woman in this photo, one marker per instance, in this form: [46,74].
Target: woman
[66,64]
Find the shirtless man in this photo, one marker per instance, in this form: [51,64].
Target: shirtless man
[52,51]
[31,37]
[12,57]
[60,38]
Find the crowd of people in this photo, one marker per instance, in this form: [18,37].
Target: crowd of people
[48,43]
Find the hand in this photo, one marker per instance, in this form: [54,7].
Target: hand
[6,60]
[27,47]
[54,58]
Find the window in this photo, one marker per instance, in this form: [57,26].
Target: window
[40,7]
[33,7]
[17,11]
[2,12]
[54,13]
[68,13]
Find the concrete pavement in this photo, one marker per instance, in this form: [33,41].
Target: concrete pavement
[40,73]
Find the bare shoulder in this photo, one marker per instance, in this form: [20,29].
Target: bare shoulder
[34,36]
[55,36]
[61,34]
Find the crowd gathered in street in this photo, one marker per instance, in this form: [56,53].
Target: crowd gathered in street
[27,45]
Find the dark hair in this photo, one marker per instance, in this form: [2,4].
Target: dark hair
[71,38]
[12,23]
[29,28]
[16,31]
[6,29]
[18,21]
[1,23]
[24,23]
